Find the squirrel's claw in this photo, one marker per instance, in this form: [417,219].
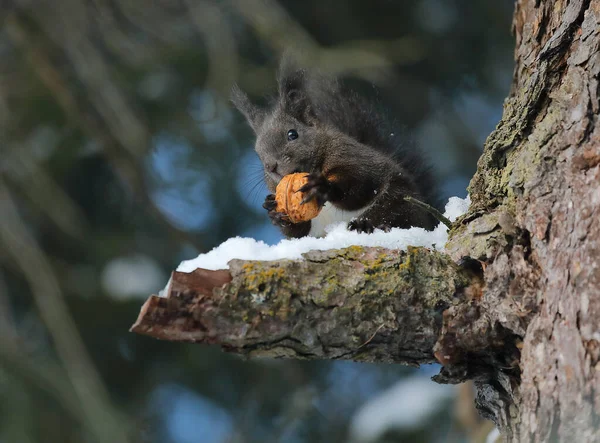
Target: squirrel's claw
[365,225]
[317,187]
[270,204]
[277,218]
[361,225]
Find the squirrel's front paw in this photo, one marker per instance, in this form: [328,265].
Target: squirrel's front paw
[277,218]
[317,188]
[365,225]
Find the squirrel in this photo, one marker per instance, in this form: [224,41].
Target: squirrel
[357,166]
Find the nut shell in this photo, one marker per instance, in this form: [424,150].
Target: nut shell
[289,200]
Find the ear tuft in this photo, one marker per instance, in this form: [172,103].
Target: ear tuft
[254,115]
[293,90]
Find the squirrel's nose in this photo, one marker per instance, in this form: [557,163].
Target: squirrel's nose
[271,166]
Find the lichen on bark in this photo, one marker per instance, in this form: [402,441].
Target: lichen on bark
[540,171]
[365,304]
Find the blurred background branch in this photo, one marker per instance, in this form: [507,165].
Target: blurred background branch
[107,118]
[93,398]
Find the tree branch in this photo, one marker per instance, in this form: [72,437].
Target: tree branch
[364,304]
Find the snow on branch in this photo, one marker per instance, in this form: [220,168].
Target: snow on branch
[364,303]
[338,237]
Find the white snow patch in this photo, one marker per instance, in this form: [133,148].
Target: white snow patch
[493,436]
[408,404]
[338,236]
[456,207]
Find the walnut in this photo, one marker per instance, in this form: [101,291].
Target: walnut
[289,200]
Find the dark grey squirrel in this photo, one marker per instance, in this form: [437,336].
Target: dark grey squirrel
[357,165]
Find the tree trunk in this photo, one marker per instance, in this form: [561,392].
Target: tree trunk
[534,224]
[535,220]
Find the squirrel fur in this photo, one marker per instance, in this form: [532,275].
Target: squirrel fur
[357,165]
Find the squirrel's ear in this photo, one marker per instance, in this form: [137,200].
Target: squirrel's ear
[253,113]
[293,91]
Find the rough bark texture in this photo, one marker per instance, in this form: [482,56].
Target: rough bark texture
[366,304]
[534,224]
[535,221]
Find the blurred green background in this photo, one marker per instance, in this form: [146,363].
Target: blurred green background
[120,156]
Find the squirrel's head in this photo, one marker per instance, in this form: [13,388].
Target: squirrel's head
[289,136]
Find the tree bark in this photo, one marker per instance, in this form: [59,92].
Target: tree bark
[365,304]
[538,186]
[524,326]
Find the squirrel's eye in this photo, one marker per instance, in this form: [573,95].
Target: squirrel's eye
[292,134]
